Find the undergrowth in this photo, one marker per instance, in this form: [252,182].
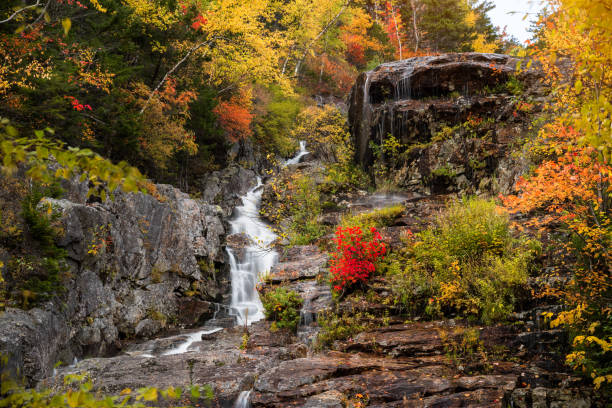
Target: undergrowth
[468,263]
[33,271]
[282,307]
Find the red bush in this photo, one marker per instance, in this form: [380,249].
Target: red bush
[354,258]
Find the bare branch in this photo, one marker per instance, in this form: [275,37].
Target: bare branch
[21,10]
[42,13]
[397,33]
[414,26]
[174,68]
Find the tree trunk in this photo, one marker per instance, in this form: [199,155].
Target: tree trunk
[414,25]
[397,32]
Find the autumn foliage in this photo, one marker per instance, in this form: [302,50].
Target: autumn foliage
[354,260]
[235,119]
[569,193]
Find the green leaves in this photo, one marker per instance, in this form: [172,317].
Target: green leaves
[40,155]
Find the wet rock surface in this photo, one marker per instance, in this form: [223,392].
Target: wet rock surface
[422,101]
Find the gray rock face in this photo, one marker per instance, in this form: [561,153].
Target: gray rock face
[225,187]
[138,266]
[300,262]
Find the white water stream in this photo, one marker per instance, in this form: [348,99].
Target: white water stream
[301,153]
[243,400]
[257,258]
[191,338]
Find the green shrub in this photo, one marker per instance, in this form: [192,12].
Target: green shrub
[38,221]
[338,327]
[282,307]
[345,176]
[273,128]
[463,345]
[468,262]
[37,275]
[304,209]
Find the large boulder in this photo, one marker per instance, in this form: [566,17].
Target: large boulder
[423,102]
[138,265]
[226,187]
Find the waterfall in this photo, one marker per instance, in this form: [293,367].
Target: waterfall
[192,338]
[306,315]
[243,400]
[301,153]
[255,259]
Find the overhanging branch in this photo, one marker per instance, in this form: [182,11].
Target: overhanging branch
[21,10]
[174,68]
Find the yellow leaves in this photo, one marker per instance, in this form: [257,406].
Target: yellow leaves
[580,30]
[148,394]
[152,13]
[593,326]
[73,399]
[66,25]
[480,44]
[575,359]
[578,86]
[605,346]
[569,317]
[98,6]
[598,381]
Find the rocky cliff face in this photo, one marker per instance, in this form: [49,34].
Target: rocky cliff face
[454,116]
[137,266]
[225,187]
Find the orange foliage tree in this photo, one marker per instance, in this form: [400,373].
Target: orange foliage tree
[394,26]
[571,187]
[357,40]
[235,118]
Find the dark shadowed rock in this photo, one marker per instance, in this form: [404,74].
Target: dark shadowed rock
[193,311]
[415,99]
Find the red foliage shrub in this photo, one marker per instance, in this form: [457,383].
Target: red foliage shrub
[354,258]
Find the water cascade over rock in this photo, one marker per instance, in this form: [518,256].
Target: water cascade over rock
[395,97]
[416,99]
[256,257]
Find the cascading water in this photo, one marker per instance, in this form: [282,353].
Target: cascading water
[301,153]
[255,259]
[243,400]
[192,338]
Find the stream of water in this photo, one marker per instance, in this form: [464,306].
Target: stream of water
[248,264]
[243,400]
